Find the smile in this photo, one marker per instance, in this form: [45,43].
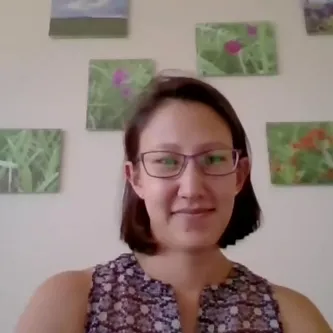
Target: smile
[195,212]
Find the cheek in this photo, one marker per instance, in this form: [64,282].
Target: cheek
[158,195]
[158,199]
[225,191]
[225,187]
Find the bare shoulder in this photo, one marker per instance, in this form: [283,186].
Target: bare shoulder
[58,305]
[299,313]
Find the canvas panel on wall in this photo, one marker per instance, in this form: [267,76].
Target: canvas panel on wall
[30,160]
[85,18]
[318,15]
[300,152]
[112,86]
[236,49]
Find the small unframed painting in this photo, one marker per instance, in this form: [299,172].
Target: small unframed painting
[227,49]
[30,160]
[85,18]
[112,86]
[300,153]
[318,15]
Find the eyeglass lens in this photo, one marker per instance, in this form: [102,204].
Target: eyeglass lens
[170,164]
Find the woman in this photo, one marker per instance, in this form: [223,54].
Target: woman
[188,194]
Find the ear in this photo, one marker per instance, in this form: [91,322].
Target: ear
[243,171]
[132,175]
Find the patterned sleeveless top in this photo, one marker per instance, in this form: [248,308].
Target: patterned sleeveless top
[124,299]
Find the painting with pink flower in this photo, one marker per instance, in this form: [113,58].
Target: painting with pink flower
[226,49]
[112,86]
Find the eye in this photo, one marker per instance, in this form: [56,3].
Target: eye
[169,161]
[163,159]
[214,158]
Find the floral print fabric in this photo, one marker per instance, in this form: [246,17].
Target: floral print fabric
[124,299]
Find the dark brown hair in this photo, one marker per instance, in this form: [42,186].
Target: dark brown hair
[135,222]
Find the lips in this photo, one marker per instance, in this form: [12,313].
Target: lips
[194,211]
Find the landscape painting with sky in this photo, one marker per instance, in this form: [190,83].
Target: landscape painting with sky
[89,18]
[318,16]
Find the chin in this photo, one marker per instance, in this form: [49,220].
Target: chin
[196,242]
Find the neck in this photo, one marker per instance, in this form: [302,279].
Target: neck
[190,271]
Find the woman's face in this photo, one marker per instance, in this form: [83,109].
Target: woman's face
[189,211]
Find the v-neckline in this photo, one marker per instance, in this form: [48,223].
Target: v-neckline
[163,289]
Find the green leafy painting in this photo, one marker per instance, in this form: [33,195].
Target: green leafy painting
[300,153]
[30,160]
[112,86]
[236,49]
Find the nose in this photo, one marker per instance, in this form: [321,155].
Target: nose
[191,182]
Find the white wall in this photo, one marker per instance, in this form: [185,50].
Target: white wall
[43,83]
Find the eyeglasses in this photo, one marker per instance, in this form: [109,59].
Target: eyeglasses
[167,164]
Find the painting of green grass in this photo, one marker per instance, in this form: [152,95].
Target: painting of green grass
[300,153]
[112,86]
[30,160]
[236,49]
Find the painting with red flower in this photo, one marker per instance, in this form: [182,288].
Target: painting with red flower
[300,152]
[112,86]
[226,49]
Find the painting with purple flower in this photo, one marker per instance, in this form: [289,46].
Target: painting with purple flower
[318,16]
[226,49]
[112,86]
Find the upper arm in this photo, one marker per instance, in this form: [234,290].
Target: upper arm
[59,305]
[298,313]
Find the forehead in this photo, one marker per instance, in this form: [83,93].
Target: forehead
[187,126]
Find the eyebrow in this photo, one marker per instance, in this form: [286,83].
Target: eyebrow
[201,146]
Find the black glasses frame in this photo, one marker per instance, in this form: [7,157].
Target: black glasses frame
[186,159]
